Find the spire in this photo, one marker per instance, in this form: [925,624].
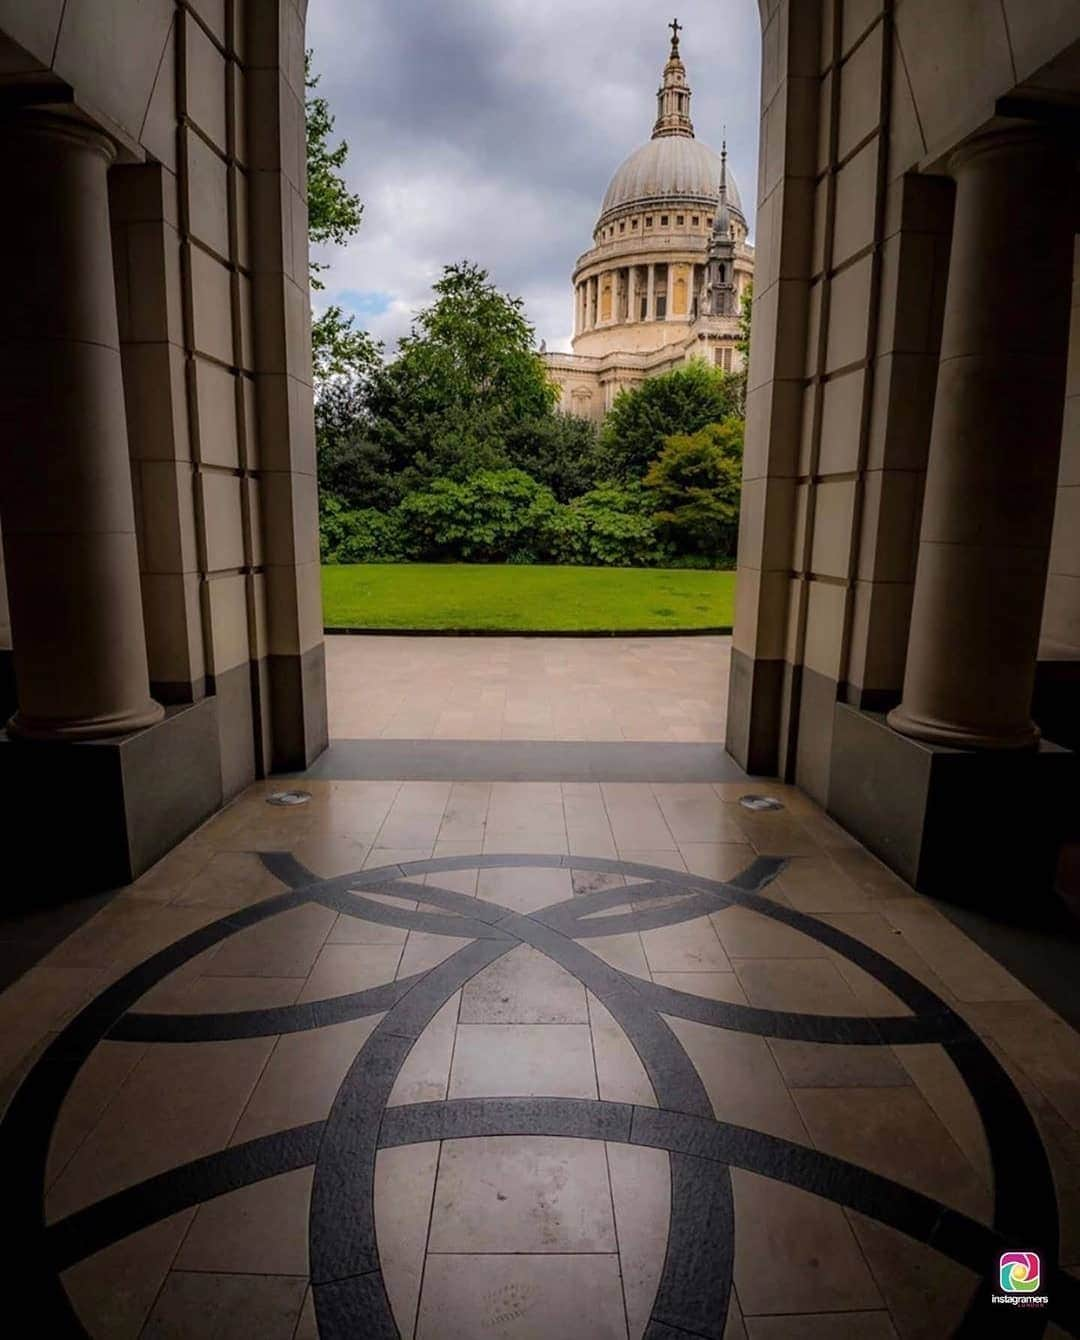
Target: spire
[720,271]
[673,97]
[722,222]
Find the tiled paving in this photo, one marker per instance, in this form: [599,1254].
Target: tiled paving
[528,688]
[532,1060]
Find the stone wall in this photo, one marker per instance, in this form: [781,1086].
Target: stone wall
[860,105]
[204,100]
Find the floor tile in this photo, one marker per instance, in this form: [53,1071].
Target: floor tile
[113,1290]
[94,1088]
[801,985]
[741,1079]
[181,1101]
[424,950]
[894,1132]
[641,1193]
[524,889]
[350,930]
[230,879]
[301,1078]
[716,860]
[404,1186]
[813,1065]
[927,1294]
[222,1307]
[823,1326]
[711,985]
[524,987]
[688,946]
[343,968]
[965,968]
[623,951]
[507,1060]
[260,1230]
[284,946]
[522,1297]
[795,1252]
[748,934]
[620,1075]
[426,1071]
[522,1194]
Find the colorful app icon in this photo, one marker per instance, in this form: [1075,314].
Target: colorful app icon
[1019,1272]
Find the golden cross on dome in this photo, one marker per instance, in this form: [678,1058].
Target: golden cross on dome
[676,28]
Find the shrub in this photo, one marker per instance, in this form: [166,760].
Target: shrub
[492,516]
[611,526]
[362,535]
[696,482]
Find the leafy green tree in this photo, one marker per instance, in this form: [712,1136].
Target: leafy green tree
[746,311]
[560,450]
[464,377]
[353,466]
[642,418]
[696,482]
[334,215]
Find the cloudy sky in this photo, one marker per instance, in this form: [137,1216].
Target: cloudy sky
[489,129]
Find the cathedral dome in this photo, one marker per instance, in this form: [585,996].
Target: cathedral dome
[668,170]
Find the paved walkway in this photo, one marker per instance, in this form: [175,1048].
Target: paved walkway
[522,1060]
[528,688]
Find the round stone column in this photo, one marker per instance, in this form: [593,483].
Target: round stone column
[992,473]
[65,479]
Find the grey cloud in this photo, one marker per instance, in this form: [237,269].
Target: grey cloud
[490,128]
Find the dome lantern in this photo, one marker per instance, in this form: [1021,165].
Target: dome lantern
[673,96]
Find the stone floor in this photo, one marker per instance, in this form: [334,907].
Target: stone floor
[532,1060]
[528,688]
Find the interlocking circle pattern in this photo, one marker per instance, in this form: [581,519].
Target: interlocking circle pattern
[695,1282]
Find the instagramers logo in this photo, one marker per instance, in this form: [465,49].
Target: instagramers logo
[1019,1272]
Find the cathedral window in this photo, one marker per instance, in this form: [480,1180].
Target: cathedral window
[696,220]
[622,226]
[663,220]
[648,220]
[708,221]
[680,219]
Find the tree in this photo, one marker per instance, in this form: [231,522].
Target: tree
[353,466]
[334,215]
[743,343]
[642,418]
[746,311]
[465,376]
[696,481]
[560,450]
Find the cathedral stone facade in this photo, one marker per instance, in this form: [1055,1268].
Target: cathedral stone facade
[664,279]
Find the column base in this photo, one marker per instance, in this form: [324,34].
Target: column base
[982,828]
[946,733]
[22,727]
[82,816]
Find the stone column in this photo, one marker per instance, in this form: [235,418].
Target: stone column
[631,293]
[65,479]
[650,307]
[994,446]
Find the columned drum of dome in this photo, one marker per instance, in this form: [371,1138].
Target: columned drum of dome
[670,262]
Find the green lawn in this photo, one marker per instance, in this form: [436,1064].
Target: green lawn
[511,599]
